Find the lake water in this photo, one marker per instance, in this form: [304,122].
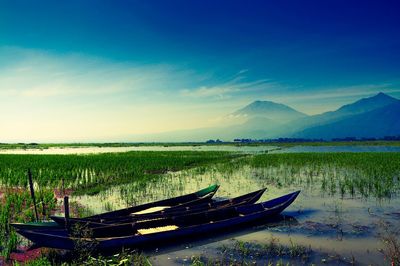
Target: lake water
[92,150]
[229,148]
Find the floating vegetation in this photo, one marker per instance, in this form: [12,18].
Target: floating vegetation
[270,253]
[272,249]
[249,253]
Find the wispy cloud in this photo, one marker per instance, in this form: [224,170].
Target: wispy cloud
[35,74]
[75,97]
[234,86]
[343,91]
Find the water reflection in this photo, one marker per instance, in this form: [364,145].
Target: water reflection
[280,220]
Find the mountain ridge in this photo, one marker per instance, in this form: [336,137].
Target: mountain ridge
[380,122]
[363,105]
[266,120]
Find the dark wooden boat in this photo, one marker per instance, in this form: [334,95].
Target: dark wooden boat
[173,228]
[170,212]
[173,211]
[199,197]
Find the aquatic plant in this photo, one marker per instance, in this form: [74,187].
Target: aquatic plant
[42,261]
[242,250]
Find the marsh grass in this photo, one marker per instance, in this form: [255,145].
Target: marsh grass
[78,210]
[17,206]
[85,253]
[390,237]
[83,249]
[246,252]
[124,258]
[42,261]
[352,175]
[365,174]
[90,174]
[270,253]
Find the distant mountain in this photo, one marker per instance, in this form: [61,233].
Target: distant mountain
[270,110]
[358,107]
[366,104]
[383,121]
[375,116]
[358,119]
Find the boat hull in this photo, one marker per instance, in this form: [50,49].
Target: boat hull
[59,221]
[249,214]
[200,197]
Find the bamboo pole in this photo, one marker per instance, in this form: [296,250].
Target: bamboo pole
[63,186]
[33,193]
[66,211]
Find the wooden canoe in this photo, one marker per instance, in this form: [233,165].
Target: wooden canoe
[199,197]
[173,211]
[180,227]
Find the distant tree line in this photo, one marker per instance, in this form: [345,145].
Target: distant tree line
[214,141]
[291,140]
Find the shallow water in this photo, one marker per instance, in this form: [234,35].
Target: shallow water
[343,228]
[230,148]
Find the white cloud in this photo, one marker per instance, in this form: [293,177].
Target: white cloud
[37,74]
[49,97]
[343,92]
[230,88]
[220,92]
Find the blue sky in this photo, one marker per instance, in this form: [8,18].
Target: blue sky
[101,70]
